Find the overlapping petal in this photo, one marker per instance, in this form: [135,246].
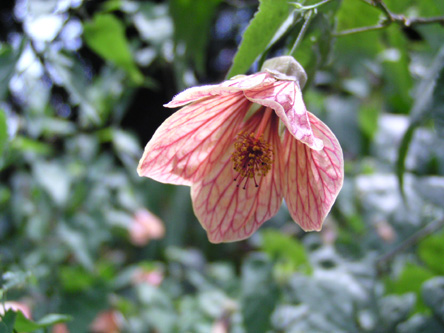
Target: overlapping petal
[312,178]
[237,84]
[177,150]
[230,213]
[285,98]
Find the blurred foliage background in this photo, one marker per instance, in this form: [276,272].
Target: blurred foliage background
[82,84]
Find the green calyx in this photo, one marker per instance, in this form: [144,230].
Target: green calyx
[286,68]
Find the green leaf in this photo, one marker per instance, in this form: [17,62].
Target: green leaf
[398,81]
[7,321]
[402,155]
[330,303]
[395,309]
[105,35]
[427,91]
[23,324]
[431,252]
[15,279]
[8,59]
[347,17]
[410,280]
[368,119]
[259,33]
[24,144]
[433,295]
[259,293]
[314,49]
[351,50]
[3,131]
[76,278]
[281,246]
[54,179]
[195,32]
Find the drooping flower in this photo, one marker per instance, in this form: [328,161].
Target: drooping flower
[245,145]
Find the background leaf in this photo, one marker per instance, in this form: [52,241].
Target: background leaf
[7,321]
[259,294]
[193,33]
[3,131]
[261,30]
[106,36]
[23,324]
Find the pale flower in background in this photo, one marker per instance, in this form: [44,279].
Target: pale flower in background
[144,227]
[152,277]
[16,306]
[385,231]
[60,328]
[109,321]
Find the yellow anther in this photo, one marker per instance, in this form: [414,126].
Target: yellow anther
[252,157]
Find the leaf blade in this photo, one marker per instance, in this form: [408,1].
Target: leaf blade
[105,35]
[259,33]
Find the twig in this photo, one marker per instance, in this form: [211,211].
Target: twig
[423,20]
[381,5]
[409,242]
[304,28]
[390,18]
[358,30]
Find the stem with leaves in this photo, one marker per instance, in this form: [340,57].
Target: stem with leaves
[390,18]
[308,17]
[429,229]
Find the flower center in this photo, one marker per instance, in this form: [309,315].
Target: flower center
[252,157]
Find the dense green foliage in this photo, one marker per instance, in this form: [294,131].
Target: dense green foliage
[81,91]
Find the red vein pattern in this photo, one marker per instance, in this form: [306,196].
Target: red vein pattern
[312,178]
[285,98]
[228,212]
[178,149]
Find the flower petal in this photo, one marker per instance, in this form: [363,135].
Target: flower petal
[238,83]
[228,212]
[312,178]
[178,148]
[285,98]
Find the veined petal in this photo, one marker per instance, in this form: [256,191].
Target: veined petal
[234,85]
[285,98]
[312,178]
[178,149]
[227,212]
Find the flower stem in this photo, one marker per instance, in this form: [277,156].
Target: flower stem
[390,18]
[304,28]
[358,30]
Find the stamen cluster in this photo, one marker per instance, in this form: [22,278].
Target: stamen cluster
[252,157]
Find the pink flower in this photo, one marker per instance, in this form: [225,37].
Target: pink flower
[243,146]
[15,306]
[144,227]
[60,328]
[108,321]
[152,277]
